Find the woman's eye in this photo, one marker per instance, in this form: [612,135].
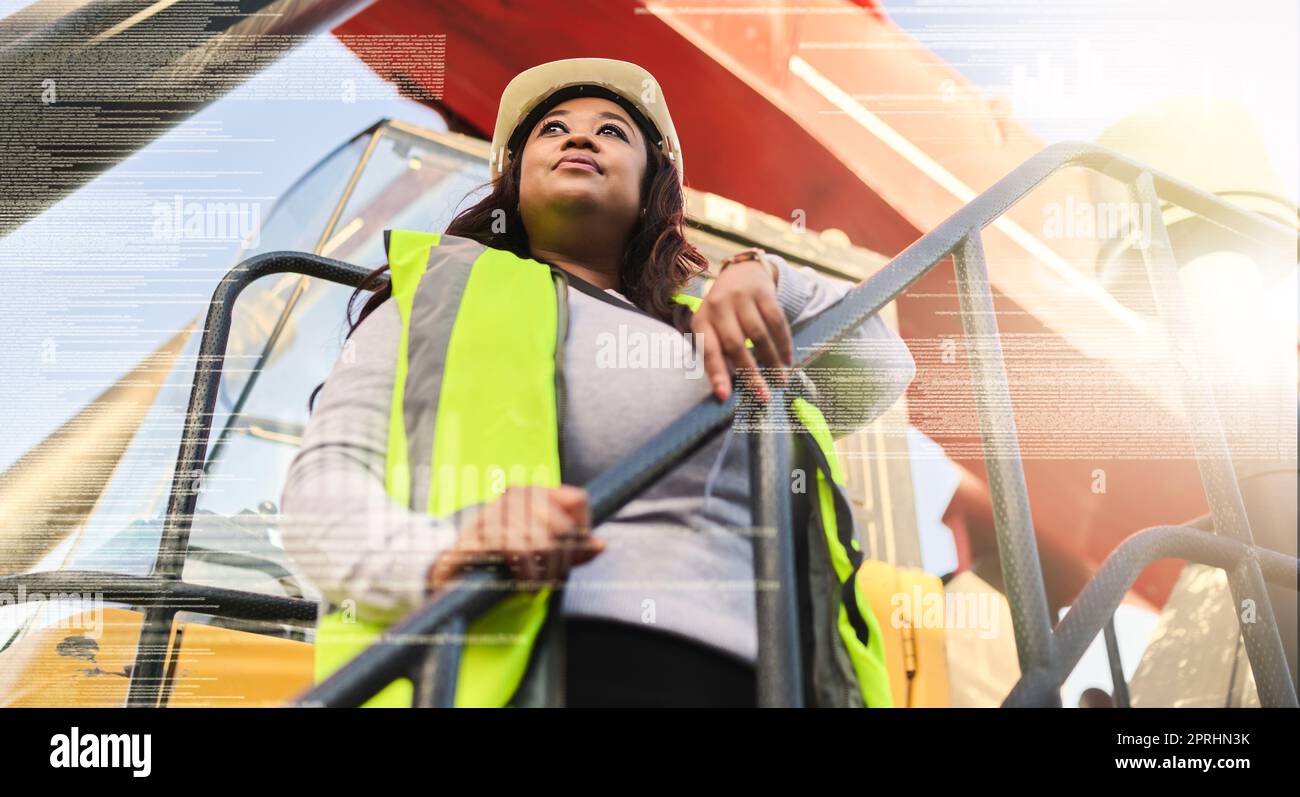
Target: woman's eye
[550,125]
[618,130]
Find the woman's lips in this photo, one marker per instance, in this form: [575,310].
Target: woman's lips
[578,163]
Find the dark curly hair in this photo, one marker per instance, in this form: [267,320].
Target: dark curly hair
[657,263]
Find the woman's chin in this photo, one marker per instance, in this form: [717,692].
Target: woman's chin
[577,199]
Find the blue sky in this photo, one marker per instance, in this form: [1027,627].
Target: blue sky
[88,277]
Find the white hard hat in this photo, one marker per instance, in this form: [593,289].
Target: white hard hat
[536,90]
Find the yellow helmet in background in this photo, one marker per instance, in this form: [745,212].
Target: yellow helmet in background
[1210,142]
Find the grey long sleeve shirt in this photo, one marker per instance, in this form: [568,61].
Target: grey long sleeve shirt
[678,558]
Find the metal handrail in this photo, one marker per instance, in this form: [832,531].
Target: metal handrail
[1037,645]
[1101,596]
[147,673]
[143,592]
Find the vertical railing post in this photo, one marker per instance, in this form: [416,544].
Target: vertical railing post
[1119,686]
[144,687]
[780,670]
[1017,546]
[436,677]
[1227,509]
[555,694]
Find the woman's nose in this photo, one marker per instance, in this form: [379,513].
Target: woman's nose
[580,139]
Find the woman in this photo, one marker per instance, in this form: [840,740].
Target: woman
[658,600]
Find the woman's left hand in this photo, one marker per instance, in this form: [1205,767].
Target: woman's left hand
[742,304]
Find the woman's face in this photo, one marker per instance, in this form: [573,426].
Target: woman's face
[584,156]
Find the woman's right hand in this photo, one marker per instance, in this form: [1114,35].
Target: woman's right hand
[538,532]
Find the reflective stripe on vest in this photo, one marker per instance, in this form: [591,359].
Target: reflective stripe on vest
[857,623]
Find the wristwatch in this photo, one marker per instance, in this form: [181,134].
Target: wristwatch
[753,253]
